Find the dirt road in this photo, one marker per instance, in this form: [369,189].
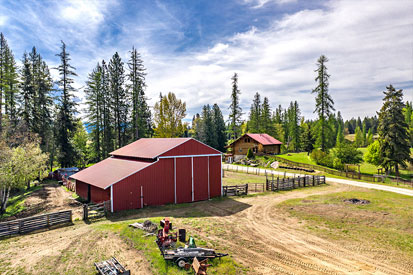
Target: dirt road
[68,250]
[261,171]
[273,243]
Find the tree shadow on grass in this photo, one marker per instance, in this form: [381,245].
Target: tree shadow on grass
[217,207]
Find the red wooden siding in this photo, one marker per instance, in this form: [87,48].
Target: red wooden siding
[81,189]
[200,178]
[183,180]
[191,147]
[215,176]
[157,181]
[98,195]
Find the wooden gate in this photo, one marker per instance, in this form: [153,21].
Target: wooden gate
[94,211]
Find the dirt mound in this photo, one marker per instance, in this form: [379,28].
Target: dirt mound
[357,201]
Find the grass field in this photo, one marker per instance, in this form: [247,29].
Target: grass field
[385,222]
[365,168]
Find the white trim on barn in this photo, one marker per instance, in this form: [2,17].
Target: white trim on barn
[111,198]
[175,180]
[192,168]
[191,156]
[209,196]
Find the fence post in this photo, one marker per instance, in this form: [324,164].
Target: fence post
[48,220]
[313,179]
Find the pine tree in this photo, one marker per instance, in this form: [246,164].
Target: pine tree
[235,109]
[293,125]
[106,111]
[8,83]
[65,118]
[254,125]
[266,121]
[94,110]
[324,102]
[206,131]
[340,135]
[394,143]
[369,139]
[307,138]
[119,102]
[219,128]
[141,115]
[27,92]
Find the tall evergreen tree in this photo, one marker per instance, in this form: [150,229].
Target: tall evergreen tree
[293,125]
[307,138]
[8,83]
[266,121]
[107,116]
[394,143]
[206,131]
[219,128]
[94,110]
[324,102]
[235,110]
[27,93]
[120,102]
[65,118]
[254,123]
[141,115]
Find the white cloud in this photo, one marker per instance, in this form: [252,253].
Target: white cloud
[369,45]
[3,20]
[256,4]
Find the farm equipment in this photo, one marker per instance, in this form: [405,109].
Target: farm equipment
[165,239]
[111,267]
[182,255]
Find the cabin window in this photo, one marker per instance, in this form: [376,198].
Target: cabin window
[255,150]
[247,140]
[240,150]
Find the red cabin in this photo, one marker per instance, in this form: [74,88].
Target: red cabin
[153,171]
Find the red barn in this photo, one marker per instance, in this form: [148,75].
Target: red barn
[153,171]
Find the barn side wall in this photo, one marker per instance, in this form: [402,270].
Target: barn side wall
[99,195]
[157,183]
[81,189]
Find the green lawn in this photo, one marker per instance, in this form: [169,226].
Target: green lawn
[365,168]
[385,222]
[147,245]
[298,157]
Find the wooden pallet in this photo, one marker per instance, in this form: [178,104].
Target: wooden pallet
[111,267]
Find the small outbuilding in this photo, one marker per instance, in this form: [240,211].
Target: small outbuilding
[153,171]
[263,144]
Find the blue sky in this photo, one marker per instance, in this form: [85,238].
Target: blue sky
[192,48]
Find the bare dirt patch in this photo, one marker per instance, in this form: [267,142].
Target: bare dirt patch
[69,250]
[50,198]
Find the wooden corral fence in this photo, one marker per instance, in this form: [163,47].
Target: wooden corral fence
[277,184]
[235,190]
[26,225]
[347,174]
[94,211]
[256,187]
[69,185]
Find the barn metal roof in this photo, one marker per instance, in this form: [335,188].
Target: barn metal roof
[109,171]
[264,139]
[149,147]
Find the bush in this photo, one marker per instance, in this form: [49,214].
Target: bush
[322,158]
[250,155]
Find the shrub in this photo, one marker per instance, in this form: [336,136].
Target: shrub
[250,155]
[322,158]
